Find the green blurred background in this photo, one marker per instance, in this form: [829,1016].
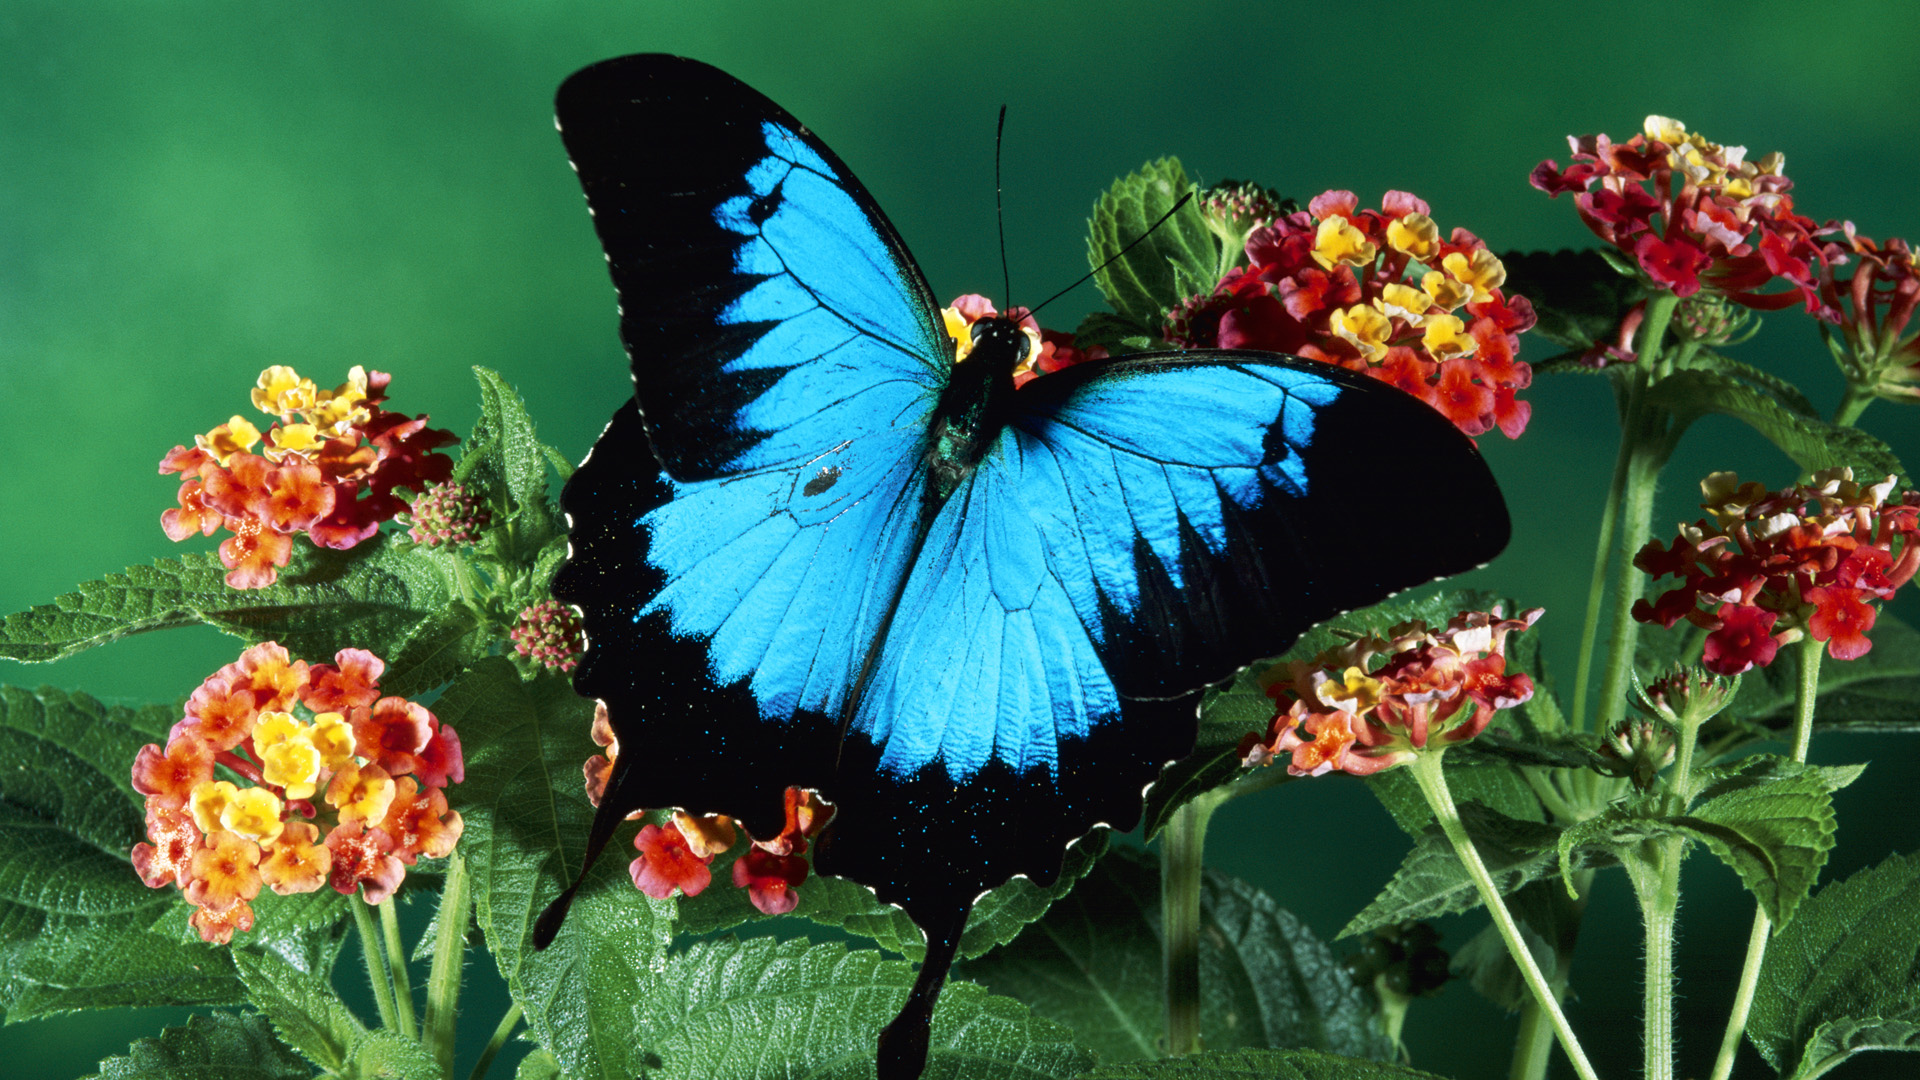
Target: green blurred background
[190,192]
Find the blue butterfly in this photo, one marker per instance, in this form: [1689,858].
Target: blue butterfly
[816,551]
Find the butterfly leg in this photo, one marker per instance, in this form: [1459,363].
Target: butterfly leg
[903,1045]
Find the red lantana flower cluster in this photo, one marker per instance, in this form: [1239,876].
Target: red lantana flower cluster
[328,467]
[679,854]
[1048,350]
[1875,309]
[318,752]
[549,634]
[1723,221]
[1766,567]
[1376,702]
[1381,292]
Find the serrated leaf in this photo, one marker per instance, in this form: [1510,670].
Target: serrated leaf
[1094,964]
[389,1055]
[1783,391]
[438,648]
[74,963]
[302,1007]
[1811,443]
[1775,835]
[1845,976]
[1259,1065]
[217,1047]
[538,1065]
[370,597]
[527,816]
[1150,278]
[1431,880]
[507,463]
[1578,296]
[1115,333]
[817,1011]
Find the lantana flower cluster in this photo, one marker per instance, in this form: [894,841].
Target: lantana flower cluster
[679,854]
[336,784]
[1376,702]
[1875,307]
[328,466]
[549,634]
[1381,292]
[447,514]
[1692,213]
[1766,567]
[1048,350]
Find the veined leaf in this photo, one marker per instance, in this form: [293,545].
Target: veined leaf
[221,1045]
[370,597]
[1810,442]
[507,463]
[1094,964]
[1178,259]
[817,1011]
[1845,976]
[302,1006]
[526,823]
[63,963]
[1775,835]
[1259,1065]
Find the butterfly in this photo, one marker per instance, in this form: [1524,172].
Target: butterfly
[816,550]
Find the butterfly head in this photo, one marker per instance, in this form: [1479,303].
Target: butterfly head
[998,343]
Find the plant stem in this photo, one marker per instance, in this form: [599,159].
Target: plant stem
[1597,586]
[1643,471]
[1182,843]
[1655,874]
[1852,404]
[397,964]
[494,1044]
[449,952]
[376,968]
[1426,770]
[1809,690]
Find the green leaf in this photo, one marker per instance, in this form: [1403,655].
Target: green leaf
[1228,714]
[527,816]
[817,1011]
[1115,333]
[1775,834]
[302,1006]
[1783,391]
[1431,880]
[1259,1065]
[1810,442]
[1845,976]
[437,649]
[217,1047]
[1579,298]
[507,463]
[370,597]
[1175,262]
[538,1065]
[389,1055]
[1877,692]
[1094,964]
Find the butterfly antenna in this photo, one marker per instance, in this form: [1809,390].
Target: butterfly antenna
[1115,257]
[999,212]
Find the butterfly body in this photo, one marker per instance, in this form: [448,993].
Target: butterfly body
[817,551]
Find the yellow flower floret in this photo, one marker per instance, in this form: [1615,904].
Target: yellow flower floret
[1356,691]
[253,813]
[230,438]
[1405,302]
[1337,241]
[1366,327]
[280,391]
[292,439]
[1447,293]
[1414,234]
[959,330]
[343,409]
[1482,272]
[1446,337]
[208,801]
[333,737]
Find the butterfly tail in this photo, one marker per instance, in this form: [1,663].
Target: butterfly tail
[904,1042]
[615,805]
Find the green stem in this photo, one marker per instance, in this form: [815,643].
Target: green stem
[1809,690]
[376,967]
[1181,845]
[1602,557]
[1656,882]
[449,951]
[1852,404]
[494,1044]
[1426,770]
[1636,515]
[397,964]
